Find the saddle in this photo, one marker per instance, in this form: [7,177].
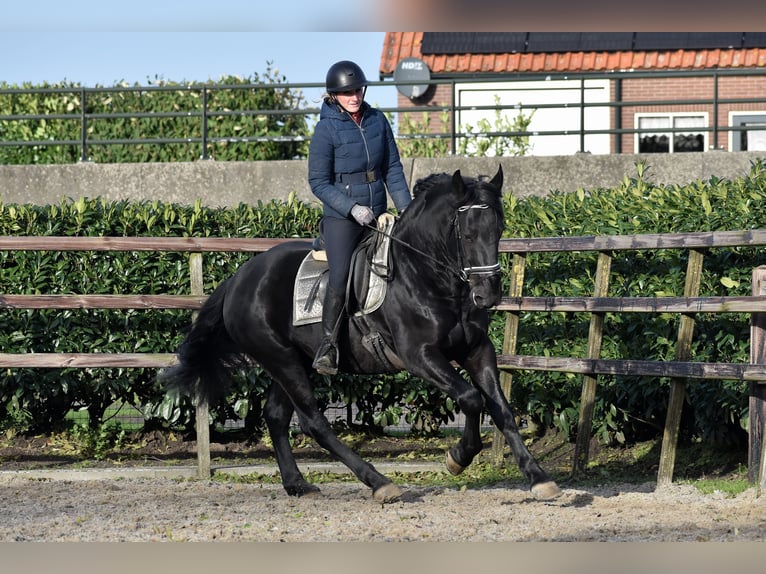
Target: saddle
[369,275]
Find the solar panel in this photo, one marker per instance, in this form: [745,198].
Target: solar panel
[509,42]
[500,42]
[473,42]
[655,41]
[606,41]
[712,40]
[754,40]
[553,42]
[686,40]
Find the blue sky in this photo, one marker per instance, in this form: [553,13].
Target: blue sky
[187,15]
[91,58]
[186,41]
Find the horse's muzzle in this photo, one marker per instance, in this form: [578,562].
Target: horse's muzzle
[485,290]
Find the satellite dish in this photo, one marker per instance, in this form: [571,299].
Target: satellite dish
[412,70]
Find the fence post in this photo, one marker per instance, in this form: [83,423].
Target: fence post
[756,461]
[678,385]
[83,126]
[595,337]
[510,340]
[203,414]
[204,154]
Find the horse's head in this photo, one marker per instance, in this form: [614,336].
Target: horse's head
[479,224]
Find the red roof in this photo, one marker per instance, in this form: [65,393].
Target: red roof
[400,45]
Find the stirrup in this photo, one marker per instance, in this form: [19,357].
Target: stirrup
[326,361]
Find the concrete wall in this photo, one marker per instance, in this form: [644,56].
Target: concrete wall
[221,184]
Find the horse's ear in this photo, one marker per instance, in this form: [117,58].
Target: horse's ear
[497,181]
[458,185]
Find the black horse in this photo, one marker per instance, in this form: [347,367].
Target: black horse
[445,252]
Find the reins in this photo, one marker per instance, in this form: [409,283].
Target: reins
[415,249]
[464,273]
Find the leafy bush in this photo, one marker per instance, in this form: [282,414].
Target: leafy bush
[162,110]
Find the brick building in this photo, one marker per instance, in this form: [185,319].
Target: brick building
[662,92]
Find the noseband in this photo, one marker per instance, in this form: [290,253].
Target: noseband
[466,272]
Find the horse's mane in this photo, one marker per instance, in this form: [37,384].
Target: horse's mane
[428,183]
[433,195]
[441,183]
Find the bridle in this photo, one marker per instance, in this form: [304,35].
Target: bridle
[465,272]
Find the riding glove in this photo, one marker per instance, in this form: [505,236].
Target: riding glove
[362,214]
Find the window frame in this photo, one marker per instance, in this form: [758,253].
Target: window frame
[741,115]
[671,116]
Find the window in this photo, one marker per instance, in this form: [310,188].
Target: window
[655,135]
[555,125]
[751,139]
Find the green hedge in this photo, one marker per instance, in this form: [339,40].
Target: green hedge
[131,113]
[628,408]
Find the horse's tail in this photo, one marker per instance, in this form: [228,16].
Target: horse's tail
[206,355]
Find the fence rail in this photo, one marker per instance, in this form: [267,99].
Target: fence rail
[512,304]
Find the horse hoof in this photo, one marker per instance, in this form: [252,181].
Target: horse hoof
[387,493]
[304,491]
[311,493]
[546,490]
[453,467]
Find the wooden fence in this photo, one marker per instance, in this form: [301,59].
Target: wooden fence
[513,304]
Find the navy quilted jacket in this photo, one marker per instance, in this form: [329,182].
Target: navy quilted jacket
[340,147]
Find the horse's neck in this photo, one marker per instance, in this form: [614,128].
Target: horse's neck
[428,258]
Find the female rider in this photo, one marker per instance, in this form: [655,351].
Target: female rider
[353,160]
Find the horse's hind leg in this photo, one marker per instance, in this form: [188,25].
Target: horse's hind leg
[278,413]
[383,489]
[295,384]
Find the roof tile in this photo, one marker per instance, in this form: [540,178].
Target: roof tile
[501,62]
[709,59]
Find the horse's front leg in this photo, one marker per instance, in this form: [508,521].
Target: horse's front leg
[432,366]
[482,369]
[469,445]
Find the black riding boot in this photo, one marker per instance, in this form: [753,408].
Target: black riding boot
[326,360]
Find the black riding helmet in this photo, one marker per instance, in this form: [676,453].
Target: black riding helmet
[344,76]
